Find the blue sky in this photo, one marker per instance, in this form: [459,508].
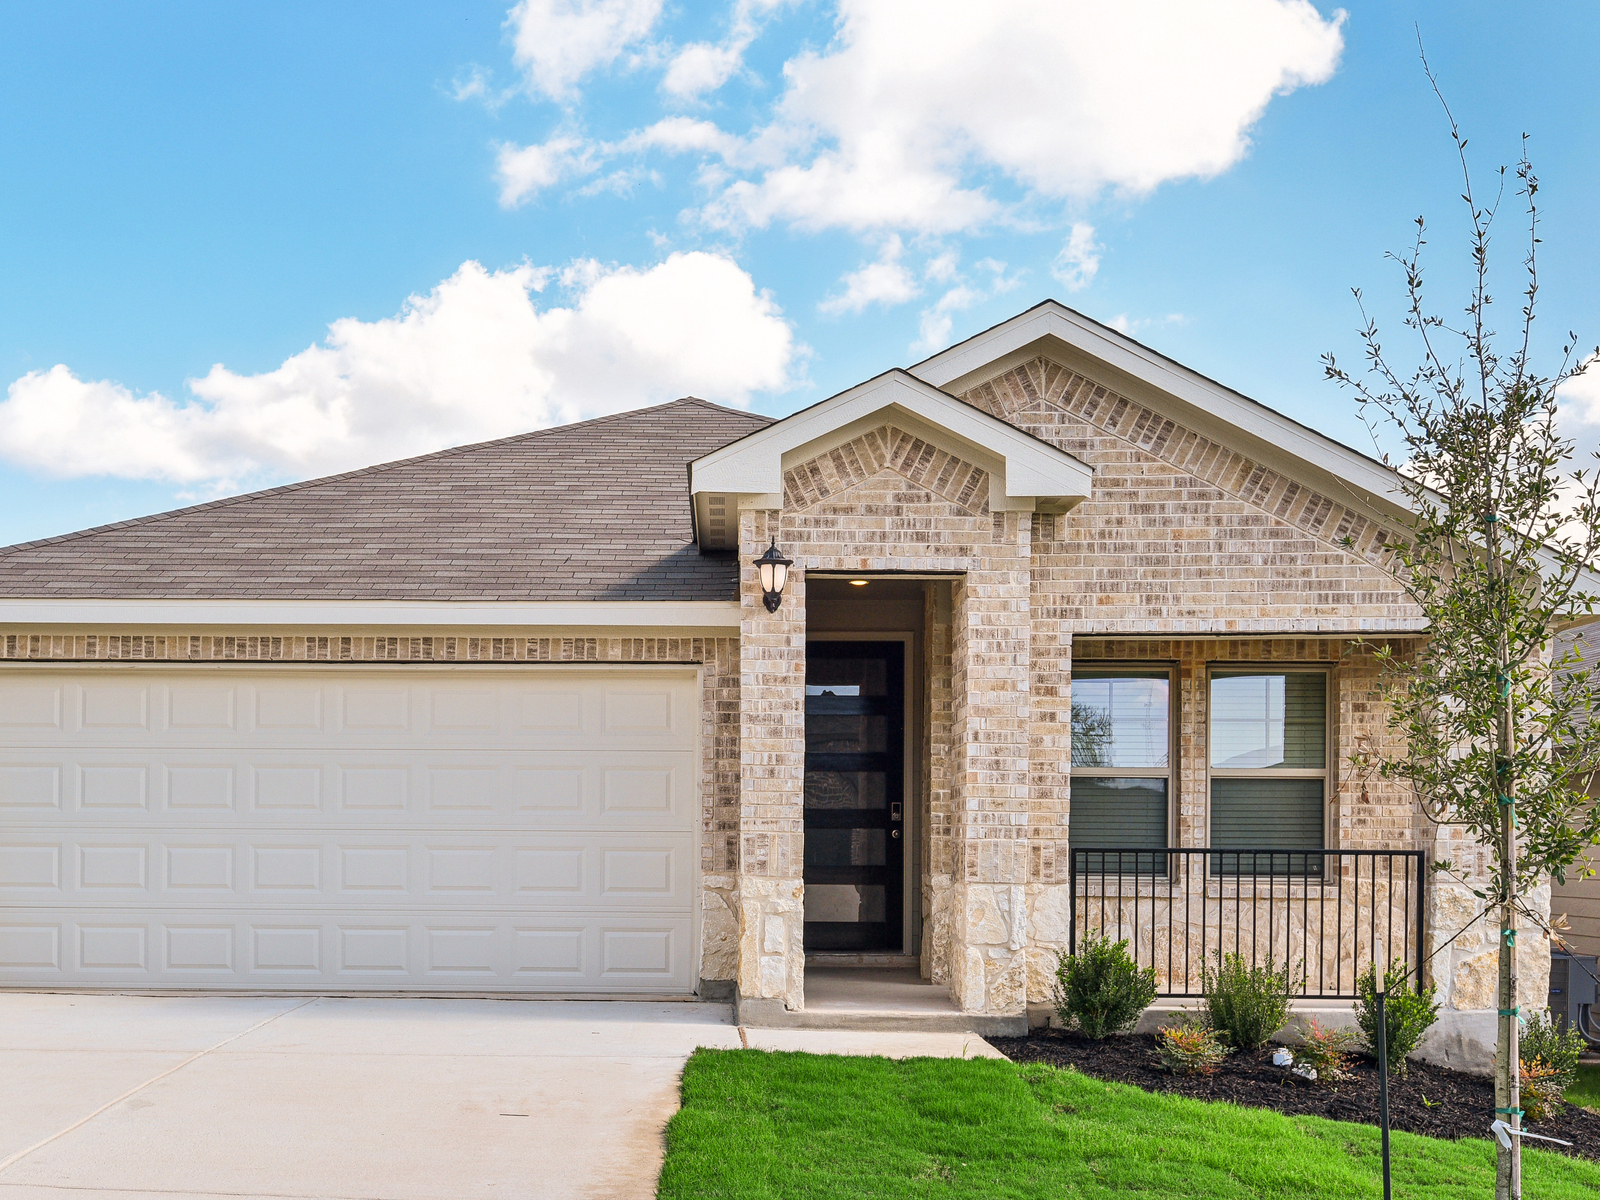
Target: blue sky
[761,202]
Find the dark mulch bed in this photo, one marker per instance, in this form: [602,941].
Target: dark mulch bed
[1457,1105]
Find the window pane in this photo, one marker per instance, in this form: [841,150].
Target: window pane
[848,902]
[854,733]
[1266,814]
[1120,721]
[847,677]
[846,847]
[1270,720]
[1113,814]
[845,789]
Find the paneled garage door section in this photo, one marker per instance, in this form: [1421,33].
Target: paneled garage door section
[410,828]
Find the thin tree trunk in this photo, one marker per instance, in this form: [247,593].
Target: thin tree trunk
[1508,1081]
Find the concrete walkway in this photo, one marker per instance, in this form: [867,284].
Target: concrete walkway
[376,1099]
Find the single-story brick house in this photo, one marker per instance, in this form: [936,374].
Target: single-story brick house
[519,718]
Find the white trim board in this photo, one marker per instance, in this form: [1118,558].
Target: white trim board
[508,614]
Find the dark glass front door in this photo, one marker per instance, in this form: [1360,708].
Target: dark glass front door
[855,792]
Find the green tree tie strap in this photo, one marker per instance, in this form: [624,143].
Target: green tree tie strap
[1510,935]
[1511,1012]
[1510,1112]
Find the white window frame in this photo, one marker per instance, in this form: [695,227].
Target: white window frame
[1325,773]
[1170,772]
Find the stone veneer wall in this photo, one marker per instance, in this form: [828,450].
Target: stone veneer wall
[719,710]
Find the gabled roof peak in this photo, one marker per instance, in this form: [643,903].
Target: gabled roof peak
[1025,472]
[1054,331]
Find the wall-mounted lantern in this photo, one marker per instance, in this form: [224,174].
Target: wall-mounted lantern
[774,569]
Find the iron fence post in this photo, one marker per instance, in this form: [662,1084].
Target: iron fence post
[1072,901]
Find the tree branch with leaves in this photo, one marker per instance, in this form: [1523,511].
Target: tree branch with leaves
[1497,550]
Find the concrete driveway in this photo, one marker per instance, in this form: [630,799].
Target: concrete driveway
[377,1099]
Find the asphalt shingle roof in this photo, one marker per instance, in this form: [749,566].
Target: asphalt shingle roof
[593,511]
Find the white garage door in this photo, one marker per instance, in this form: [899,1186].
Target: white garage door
[472,829]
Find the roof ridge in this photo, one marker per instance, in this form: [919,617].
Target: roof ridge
[338,477]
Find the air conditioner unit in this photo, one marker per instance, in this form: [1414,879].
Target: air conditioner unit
[1573,1004]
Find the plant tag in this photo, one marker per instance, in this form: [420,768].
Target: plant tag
[1505,1133]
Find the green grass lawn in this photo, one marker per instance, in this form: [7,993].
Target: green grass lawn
[756,1125]
[1587,1090]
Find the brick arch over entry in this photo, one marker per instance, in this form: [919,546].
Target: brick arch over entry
[887,448]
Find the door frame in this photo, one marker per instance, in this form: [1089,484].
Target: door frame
[910,878]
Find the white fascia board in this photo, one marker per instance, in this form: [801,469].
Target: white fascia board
[657,614]
[754,464]
[971,357]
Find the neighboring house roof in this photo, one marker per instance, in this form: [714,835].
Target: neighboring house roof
[598,510]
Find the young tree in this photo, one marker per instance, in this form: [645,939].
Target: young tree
[1497,552]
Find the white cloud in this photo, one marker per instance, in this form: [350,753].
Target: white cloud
[558,42]
[1123,323]
[885,281]
[681,135]
[1079,259]
[474,86]
[1000,283]
[527,170]
[893,125]
[524,171]
[1581,395]
[941,268]
[475,358]
[701,67]
[934,328]
[1580,416]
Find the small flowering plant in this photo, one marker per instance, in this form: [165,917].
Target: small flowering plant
[1326,1051]
[1192,1048]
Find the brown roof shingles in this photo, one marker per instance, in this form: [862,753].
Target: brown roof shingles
[593,511]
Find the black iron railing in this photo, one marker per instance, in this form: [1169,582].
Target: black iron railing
[1326,915]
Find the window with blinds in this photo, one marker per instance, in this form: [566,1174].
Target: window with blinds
[1269,767]
[1121,768]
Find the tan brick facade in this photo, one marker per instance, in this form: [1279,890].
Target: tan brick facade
[1184,535]
[1187,553]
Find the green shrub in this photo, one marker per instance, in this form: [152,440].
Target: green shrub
[1190,1048]
[1327,1051]
[1247,1003]
[1407,1013]
[1541,1089]
[1099,990]
[1542,1040]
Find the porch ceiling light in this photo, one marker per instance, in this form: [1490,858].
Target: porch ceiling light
[858,583]
[774,569]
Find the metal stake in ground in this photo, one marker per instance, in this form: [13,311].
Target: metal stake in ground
[1383,1083]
